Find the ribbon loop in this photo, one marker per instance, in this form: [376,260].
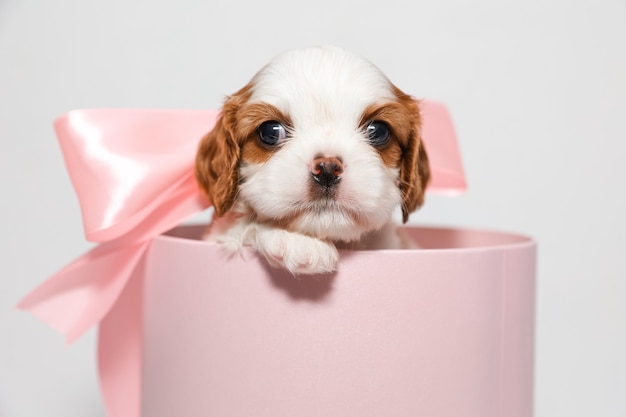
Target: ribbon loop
[126,164]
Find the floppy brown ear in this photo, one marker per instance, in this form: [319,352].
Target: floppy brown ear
[217,162]
[219,154]
[414,169]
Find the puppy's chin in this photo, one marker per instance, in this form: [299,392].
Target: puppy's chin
[331,224]
[337,225]
[343,217]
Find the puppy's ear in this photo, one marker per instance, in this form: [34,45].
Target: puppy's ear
[414,168]
[218,156]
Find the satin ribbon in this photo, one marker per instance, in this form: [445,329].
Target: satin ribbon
[134,175]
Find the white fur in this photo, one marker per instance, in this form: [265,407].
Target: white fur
[325,92]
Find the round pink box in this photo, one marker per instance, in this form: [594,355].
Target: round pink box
[443,331]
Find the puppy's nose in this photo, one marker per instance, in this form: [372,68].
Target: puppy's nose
[327,171]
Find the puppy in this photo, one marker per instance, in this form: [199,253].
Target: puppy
[314,153]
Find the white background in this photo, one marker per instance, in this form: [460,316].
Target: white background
[537,89]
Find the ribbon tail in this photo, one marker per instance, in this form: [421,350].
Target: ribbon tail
[119,351]
[82,293]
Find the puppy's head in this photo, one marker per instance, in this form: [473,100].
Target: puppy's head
[318,142]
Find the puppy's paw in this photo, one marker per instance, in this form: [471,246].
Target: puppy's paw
[299,254]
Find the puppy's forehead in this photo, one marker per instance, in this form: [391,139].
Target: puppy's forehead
[321,83]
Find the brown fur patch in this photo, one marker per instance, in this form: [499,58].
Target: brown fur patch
[394,116]
[405,149]
[252,116]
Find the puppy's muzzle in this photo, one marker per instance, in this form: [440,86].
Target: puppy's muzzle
[327,171]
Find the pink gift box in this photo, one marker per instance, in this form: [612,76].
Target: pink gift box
[187,330]
[446,330]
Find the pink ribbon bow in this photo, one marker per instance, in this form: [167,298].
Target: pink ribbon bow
[134,175]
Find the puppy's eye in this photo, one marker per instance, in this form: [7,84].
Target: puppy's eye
[271,133]
[377,133]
